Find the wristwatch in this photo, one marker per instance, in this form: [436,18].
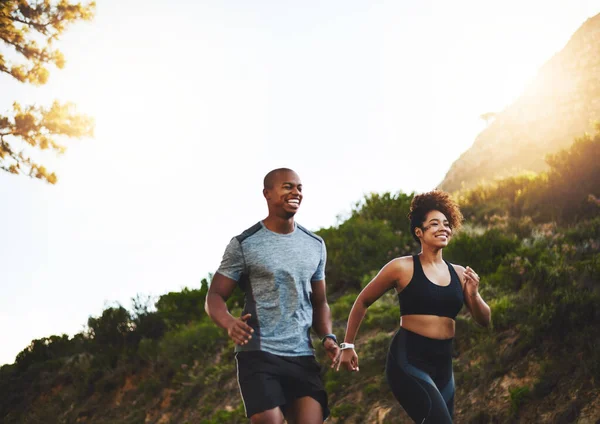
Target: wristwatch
[329,336]
[347,346]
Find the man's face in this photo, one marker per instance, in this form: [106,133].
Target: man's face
[285,196]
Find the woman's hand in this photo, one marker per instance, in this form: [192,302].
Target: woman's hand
[471,282]
[349,359]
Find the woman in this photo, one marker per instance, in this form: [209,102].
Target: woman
[431,292]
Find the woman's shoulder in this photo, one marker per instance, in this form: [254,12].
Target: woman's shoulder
[403,261]
[458,268]
[402,267]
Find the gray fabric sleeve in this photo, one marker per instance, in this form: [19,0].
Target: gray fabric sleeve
[320,272]
[232,265]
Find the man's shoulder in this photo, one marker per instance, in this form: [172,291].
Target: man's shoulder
[248,232]
[304,230]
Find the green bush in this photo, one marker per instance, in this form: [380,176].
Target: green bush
[503,312]
[46,349]
[340,309]
[482,252]
[384,314]
[335,381]
[345,410]
[373,354]
[227,417]
[183,307]
[194,342]
[548,377]
[518,396]
[150,387]
[355,248]
[373,389]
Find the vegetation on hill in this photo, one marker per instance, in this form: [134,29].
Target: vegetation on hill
[558,104]
[534,240]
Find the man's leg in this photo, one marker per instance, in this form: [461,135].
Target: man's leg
[272,416]
[304,410]
[261,390]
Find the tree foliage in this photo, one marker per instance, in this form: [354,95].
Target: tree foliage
[112,328]
[566,193]
[377,231]
[183,307]
[45,349]
[28,32]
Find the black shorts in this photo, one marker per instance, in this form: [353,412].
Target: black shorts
[268,381]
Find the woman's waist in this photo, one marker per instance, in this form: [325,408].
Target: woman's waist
[430,326]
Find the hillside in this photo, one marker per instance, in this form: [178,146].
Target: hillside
[534,241]
[559,104]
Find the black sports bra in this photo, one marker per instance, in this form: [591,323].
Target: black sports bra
[422,297]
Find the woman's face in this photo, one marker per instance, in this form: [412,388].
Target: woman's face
[436,230]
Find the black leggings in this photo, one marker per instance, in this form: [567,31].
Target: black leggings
[419,371]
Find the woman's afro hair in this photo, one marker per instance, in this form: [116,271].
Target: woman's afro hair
[436,200]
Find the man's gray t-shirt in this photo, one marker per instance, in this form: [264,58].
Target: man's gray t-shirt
[276,272]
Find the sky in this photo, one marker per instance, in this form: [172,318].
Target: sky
[196,101]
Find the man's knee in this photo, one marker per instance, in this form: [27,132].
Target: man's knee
[305,410]
[272,416]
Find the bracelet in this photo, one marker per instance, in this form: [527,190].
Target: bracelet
[329,336]
[344,346]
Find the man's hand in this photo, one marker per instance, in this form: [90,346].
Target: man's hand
[239,331]
[332,349]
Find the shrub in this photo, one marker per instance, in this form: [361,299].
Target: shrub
[340,309]
[518,396]
[234,416]
[383,314]
[196,341]
[183,307]
[345,410]
[483,252]
[358,246]
[503,312]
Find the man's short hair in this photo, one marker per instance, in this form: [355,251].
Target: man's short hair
[270,177]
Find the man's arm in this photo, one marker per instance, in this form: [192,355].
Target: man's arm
[321,312]
[219,291]
[322,318]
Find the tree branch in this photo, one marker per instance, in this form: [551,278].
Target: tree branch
[30,23]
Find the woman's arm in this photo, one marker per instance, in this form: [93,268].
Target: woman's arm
[480,311]
[386,279]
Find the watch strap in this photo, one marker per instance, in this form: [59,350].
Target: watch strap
[329,336]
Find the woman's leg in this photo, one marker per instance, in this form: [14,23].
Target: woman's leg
[414,388]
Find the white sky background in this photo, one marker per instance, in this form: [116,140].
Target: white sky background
[195,101]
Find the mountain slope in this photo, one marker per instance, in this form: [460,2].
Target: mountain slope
[561,103]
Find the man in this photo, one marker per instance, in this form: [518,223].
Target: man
[281,267]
